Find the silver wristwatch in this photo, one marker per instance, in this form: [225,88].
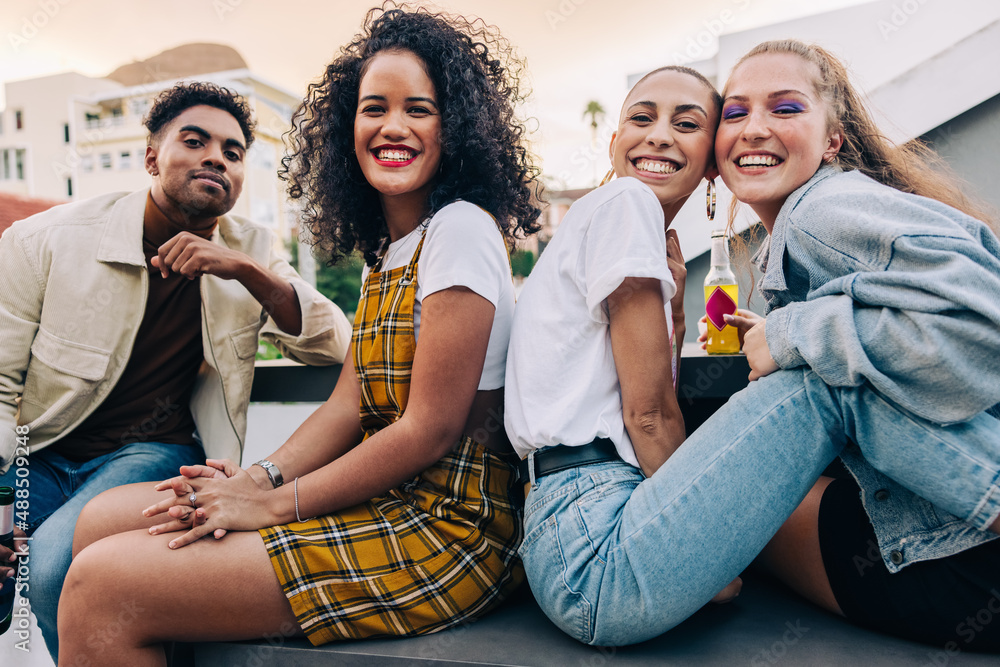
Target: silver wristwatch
[272,471]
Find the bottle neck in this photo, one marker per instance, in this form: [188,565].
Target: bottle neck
[6,519]
[720,256]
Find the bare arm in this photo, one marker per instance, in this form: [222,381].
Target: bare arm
[328,433]
[678,270]
[454,335]
[640,343]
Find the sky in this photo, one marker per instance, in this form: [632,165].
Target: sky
[575,50]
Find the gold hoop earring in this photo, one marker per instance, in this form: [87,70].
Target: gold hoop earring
[710,200]
[607,177]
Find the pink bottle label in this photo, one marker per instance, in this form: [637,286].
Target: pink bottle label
[719,304]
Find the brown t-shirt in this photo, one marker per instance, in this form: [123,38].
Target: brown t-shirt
[151,401]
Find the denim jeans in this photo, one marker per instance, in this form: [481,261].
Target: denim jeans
[59,490]
[615,559]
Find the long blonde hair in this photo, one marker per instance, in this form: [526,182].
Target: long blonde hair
[910,167]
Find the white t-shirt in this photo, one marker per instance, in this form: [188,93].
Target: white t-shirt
[562,384]
[462,247]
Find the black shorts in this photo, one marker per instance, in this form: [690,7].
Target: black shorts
[951,602]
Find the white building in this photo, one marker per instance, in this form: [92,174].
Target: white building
[70,136]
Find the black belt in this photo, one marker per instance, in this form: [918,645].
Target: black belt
[561,457]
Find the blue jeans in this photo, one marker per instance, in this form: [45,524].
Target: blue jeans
[59,490]
[614,558]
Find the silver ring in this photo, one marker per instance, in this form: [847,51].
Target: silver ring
[193,498]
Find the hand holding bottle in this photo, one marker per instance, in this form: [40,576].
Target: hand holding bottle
[758,354]
[743,320]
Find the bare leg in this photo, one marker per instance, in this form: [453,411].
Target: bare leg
[127,594]
[117,510]
[793,555]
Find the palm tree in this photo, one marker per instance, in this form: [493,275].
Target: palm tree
[595,111]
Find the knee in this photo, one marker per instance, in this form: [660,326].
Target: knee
[83,594]
[85,585]
[91,524]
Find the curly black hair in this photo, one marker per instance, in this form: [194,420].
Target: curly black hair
[476,79]
[171,103]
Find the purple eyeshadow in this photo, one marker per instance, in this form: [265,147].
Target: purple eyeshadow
[731,111]
[789,106]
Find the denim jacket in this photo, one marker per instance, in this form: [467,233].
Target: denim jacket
[865,283]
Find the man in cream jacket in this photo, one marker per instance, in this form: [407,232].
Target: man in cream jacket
[129,326]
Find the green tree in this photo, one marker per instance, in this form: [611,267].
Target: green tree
[342,283]
[595,111]
[521,262]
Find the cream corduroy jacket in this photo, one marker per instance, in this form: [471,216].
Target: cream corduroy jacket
[73,288]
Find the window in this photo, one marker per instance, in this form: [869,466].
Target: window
[138,106]
[125,160]
[87,163]
[263,212]
[105,160]
[19,163]
[262,156]
[1,123]
[66,133]
[19,119]
[5,166]
[69,187]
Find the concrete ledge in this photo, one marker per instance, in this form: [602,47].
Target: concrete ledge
[702,378]
[765,626]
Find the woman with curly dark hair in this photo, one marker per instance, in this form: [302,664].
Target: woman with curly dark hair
[482,161]
[409,151]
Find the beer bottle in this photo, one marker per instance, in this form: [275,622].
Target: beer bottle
[7,540]
[721,295]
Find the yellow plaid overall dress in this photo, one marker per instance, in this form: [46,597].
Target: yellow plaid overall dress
[427,555]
